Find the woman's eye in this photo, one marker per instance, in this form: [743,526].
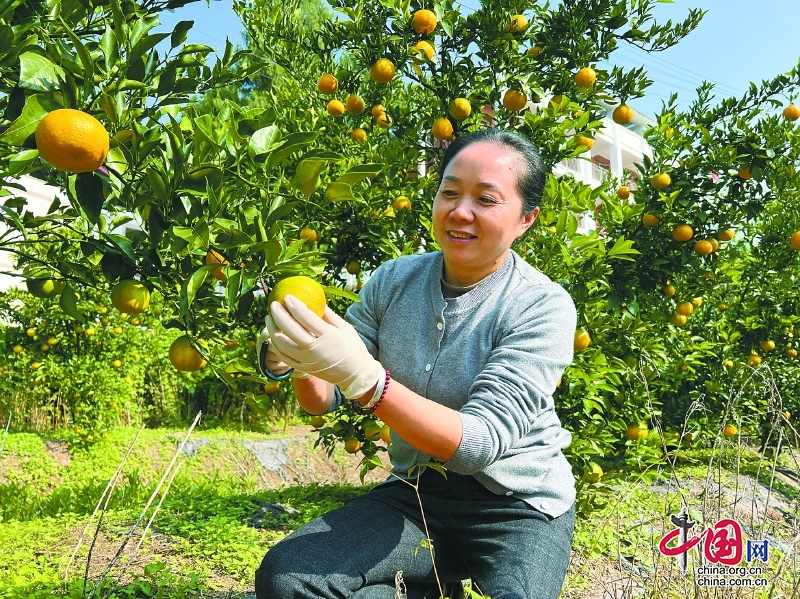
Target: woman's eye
[448,192]
[488,200]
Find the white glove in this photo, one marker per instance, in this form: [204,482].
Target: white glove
[267,357]
[328,348]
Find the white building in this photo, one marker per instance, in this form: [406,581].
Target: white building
[39,196]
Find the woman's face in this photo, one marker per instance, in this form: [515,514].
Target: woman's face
[477,212]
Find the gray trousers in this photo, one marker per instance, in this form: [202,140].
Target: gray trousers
[508,548]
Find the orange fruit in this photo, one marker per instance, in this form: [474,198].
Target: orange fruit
[623,193]
[386,434]
[359,135]
[378,110]
[534,52]
[727,363]
[581,340]
[72,140]
[335,108]
[754,359]
[382,71]
[650,220]
[17,349]
[309,234]
[714,244]
[744,173]
[44,347]
[726,235]
[317,421]
[586,142]
[703,247]
[557,100]
[791,112]
[214,257]
[669,290]
[384,120]
[636,431]
[352,445]
[116,363]
[129,296]
[327,84]
[306,289]
[730,430]
[722,307]
[372,430]
[442,129]
[791,352]
[424,21]
[516,24]
[685,308]
[514,100]
[661,181]
[45,288]
[355,104]
[426,47]
[697,302]
[183,356]
[353,267]
[682,233]
[402,203]
[460,109]
[796,240]
[768,345]
[622,115]
[585,77]
[272,387]
[595,472]
[36,365]
[677,320]
[117,330]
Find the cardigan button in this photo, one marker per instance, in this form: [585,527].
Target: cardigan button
[509,493]
[427,367]
[439,326]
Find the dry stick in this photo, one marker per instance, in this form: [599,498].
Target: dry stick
[5,434]
[149,523]
[146,507]
[107,496]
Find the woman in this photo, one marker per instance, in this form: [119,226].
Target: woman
[475,340]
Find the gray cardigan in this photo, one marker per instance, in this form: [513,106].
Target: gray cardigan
[494,354]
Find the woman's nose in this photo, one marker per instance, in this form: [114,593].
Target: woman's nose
[462,210]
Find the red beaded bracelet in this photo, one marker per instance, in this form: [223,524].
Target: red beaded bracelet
[370,407]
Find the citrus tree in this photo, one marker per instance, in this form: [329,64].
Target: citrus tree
[160,198]
[671,287]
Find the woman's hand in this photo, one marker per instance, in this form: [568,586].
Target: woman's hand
[328,347]
[274,364]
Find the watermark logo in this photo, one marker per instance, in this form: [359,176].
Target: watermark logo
[723,546]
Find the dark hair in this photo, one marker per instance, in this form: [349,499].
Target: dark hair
[532,173]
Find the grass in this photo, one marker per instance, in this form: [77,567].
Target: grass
[202,541]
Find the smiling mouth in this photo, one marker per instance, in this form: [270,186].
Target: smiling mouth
[459,235]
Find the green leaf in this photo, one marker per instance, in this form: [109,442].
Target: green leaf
[38,72]
[86,60]
[123,244]
[89,193]
[195,282]
[623,249]
[339,192]
[108,46]
[20,161]
[306,178]
[262,140]
[69,303]
[34,111]
[359,173]
[180,32]
[331,290]
[145,45]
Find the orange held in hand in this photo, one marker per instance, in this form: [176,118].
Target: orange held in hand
[305,289]
[72,141]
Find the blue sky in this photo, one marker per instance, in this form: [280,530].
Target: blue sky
[737,42]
